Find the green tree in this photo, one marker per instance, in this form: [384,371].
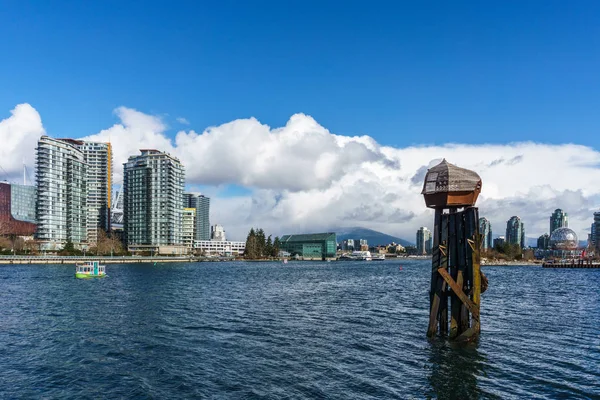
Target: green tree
[251,251]
[510,251]
[276,247]
[411,250]
[261,242]
[69,250]
[269,247]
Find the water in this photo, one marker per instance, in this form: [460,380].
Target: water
[301,330]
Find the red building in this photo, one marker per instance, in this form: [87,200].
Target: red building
[9,225]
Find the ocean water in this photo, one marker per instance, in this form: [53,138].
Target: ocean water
[338,330]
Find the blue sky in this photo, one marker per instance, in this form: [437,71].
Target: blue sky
[482,75]
[401,72]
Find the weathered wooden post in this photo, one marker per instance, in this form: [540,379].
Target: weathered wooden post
[452,192]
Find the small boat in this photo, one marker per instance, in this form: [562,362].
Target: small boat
[378,257]
[90,269]
[285,260]
[357,256]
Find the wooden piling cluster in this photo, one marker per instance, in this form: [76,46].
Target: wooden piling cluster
[455,274]
[456,278]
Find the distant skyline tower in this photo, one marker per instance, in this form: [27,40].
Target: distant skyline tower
[596,230]
[558,219]
[515,231]
[485,229]
[543,242]
[424,241]
[61,195]
[153,199]
[202,205]
[217,233]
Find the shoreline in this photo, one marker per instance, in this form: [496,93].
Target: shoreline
[24,260]
[499,263]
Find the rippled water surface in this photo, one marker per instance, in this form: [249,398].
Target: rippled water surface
[301,330]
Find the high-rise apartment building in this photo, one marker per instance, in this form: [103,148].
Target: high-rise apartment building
[424,241]
[515,231]
[188,226]
[202,205]
[98,157]
[485,229]
[61,195]
[558,219]
[153,200]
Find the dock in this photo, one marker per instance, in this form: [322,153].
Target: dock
[571,264]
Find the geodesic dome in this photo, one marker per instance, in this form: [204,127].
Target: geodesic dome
[564,239]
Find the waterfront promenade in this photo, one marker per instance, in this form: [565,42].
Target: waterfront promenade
[104,259]
[136,259]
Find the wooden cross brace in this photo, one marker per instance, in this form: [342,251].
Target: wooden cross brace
[459,292]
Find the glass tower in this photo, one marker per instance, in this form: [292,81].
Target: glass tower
[153,199]
[515,231]
[558,219]
[485,228]
[61,195]
[424,241]
[596,230]
[202,205]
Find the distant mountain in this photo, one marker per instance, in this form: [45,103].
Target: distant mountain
[372,237]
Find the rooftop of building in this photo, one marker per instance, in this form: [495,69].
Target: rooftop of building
[152,152]
[307,237]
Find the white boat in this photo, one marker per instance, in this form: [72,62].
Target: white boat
[356,256]
[379,257]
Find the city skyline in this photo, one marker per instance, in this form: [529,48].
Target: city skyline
[536,219]
[201,203]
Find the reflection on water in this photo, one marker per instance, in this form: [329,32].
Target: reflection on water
[454,370]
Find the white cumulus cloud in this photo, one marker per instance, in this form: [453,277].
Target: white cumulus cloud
[19,134]
[304,178]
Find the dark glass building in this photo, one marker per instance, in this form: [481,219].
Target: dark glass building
[201,204]
[558,219]
[314,246]
[543,242]
[515,231]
